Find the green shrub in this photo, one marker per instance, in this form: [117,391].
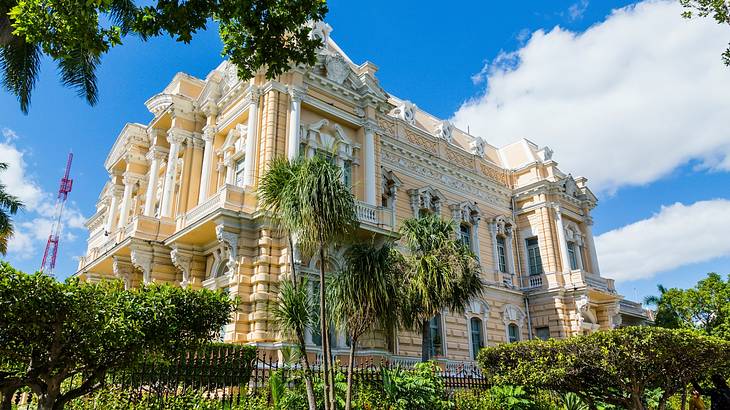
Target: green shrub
[421,388]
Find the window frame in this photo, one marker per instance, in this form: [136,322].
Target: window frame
[502,254]
[476,345]
[436,350]
[510,337]
[534,258]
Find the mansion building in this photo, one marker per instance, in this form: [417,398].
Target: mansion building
[180,205]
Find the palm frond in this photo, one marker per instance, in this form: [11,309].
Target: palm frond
[20,63]
[78,71]
[295,309]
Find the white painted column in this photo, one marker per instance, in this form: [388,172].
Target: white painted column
[295,111]
[175,138]
[592,247]
[112,213]
[510,251]
[126,200]
[251,138]
[495,252]
[208,136]
[475,239]
[149,201]
[369,164]
[565,261]
[230,170]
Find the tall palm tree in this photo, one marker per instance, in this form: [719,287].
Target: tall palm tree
[294,312]
[441,274]
[9,205]
[322,210]
[363,294]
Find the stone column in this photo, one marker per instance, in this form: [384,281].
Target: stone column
[495,253]
[251,137]
[175,138]
[591,246]
[510,251]
[563,245]
[129,182]
[154,156]
[230,169]
[112,213]
[475,238]
[187,164]
[295,108]
[195,169]
[205,176]
[369,164]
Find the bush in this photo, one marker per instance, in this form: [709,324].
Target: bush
[504,398]
[421,388]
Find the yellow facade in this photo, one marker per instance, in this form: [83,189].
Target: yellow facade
[180,204]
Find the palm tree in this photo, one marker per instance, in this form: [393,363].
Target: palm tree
[9,205]
[321,209]
[293,313]
[309,199]
[441,273]
[363,294]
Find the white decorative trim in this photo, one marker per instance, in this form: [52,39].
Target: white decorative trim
[229,243]
[142,260]
[183,261]
[405,111]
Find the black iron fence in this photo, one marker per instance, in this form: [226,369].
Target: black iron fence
[227,374]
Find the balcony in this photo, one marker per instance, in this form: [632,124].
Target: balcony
[376,216]
[636,309]
[534,281]
[229,197]
[580,278]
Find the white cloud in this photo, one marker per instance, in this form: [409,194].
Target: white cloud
[32,225]
[624,103]
[576,10]
[678,235]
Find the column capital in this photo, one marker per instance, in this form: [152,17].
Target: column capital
[157,152]
[209,108]
[131,179]
[117,190]
[197,141]
[297,94]
[208,133]
[177,136]
[588,220]
[253,95]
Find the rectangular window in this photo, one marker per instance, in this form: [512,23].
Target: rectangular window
[572,256]
[543,333]
[513,332]
[437,344]
[534,261]
[477,340]
[240,169]
[347,173]
[502,254]
[465,235]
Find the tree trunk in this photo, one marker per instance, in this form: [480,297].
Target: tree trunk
[7,401]
[425,341]
[350,367]
[291,260]
[326,353]
[684,398]
[47,401]
[307,372]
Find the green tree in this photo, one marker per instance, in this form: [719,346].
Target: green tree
[705,307]
[441,273]
[718,9]
[363,294]
[51,332]
[9,205]
[294,312]
[256,34]
[618,367]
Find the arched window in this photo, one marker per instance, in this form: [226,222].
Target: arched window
[477,339]
[514,333]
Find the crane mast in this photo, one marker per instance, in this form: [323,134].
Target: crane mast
[49,256]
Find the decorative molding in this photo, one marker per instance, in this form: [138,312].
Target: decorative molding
[183,261]
[405,111]
[477,146]
[465,212]
[337,68]
[444,130]
[229,242]
[425,198]
[459,158]
[513,314]
[422,141]
[142,260]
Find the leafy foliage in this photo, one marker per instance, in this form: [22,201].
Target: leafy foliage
[705,307]
[440,273]
[256,34]
[419,389]
[52,331]
[616,367]
[718,9]
[9,205]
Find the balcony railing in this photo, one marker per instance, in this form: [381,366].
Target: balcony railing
[534,281]
[632,308]
[374,215]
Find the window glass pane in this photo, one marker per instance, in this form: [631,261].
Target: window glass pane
[240,166]
[534,260]
[465,235]
[347,173]
[543,333]
[436,336]
[572,256]
[477,340]
[501,254]
[514,333]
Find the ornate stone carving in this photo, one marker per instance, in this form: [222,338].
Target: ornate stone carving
[477,308]
[425,198]
[406,111]
[386,126]
[142,260]
[424,142]
[477,146]
[297,94]
[229,242]
[122,270]
[183,262]
[545,154]
[503,225]
[513,314]
[494,174]
[337,68]
[460,159]
[444,130]
[465,212]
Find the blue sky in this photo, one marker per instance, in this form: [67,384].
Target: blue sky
[628,98]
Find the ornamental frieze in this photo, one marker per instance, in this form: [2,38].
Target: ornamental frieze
[421,141]
[459,159]
[494,174]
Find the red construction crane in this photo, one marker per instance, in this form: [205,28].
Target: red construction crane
[49,256]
